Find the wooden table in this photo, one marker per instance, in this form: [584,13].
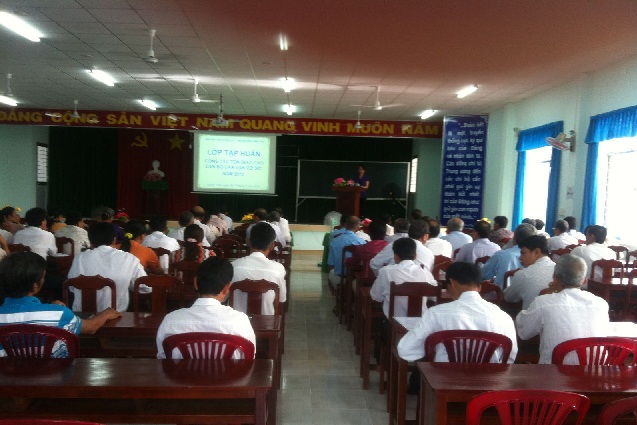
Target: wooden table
[134,335]
[138,390]
[607,289]
[445,383]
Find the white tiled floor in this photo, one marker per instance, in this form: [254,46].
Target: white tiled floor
[321,384]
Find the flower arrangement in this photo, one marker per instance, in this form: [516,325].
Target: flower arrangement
[342,182]
[247,218]
[121,216]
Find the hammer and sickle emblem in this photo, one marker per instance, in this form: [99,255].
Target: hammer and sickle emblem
[141,141]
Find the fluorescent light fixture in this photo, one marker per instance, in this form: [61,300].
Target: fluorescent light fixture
[19,26]
[148,103]
[102,77]
[289,109]
[8,101]
[467,91]
[427,113]
[287,84]
[283,41]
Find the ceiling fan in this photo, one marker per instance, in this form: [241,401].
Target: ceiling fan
[220,120]
[377,106]
[150,56]
[195,96]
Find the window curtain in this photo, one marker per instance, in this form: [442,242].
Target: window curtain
[607,126]
[534,138]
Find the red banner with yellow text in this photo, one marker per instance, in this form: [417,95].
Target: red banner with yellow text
[251,124]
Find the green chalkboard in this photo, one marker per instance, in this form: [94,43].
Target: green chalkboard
[315,178]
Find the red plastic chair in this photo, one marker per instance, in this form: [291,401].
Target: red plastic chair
[208,345]
[613,411]
[468,346]
[601,351]
[533,407]
[36,341]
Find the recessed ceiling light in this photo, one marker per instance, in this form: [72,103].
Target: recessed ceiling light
[289,109]
[427,113]
[102,77]
[467,91]
[287,84]
[19,26]
[148,103]
[8,101]
[283,42]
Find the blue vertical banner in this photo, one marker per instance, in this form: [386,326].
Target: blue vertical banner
[464,153]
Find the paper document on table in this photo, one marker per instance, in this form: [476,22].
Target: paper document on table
[408,322]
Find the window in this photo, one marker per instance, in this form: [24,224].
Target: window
[42,164]
[536,182]
[414,175]
[617,187]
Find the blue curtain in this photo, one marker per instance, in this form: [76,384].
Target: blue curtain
[534,138]
[607,126]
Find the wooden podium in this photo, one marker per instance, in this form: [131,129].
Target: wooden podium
[348,199]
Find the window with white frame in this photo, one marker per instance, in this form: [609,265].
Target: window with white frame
[536,182]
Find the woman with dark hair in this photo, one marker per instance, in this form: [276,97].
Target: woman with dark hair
[134,234]
[362,179]
[10,219]
[193,245]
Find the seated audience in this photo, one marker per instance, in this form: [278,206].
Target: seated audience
[261,214]
[500,231]
[416,214]
[273,218]
[480,247]
[566,314]
[539,227]
[107,215]
[401,227]
[469,311]
[104,260]
[158,239]
[193,245]
[217,221]
[364,253]
[386,218]
[185,218]
[55,221]
[455,236]
[22,277]
[507,259]
[285,226]
[257,266]
[4,247]
[340,241]
[562,238]
[403,270]
[437,245]
[10,219]
[572,228]
[594,249]
[226,217]
[134,236]
[527,283]
[7,237]
[419,232]
[199,219]
[36,237]
[74,229]
[207,314]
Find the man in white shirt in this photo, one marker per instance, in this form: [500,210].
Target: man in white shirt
[259,215]
[36,237]
[401,227]
[285,226]
[594,249]
[561,239]
[257,266]
[104,260]
[185,219]
[404,270]
[226,218]
[419,232]
[469,311]
[527,283]
[455,236]
[273,219]
[217,221]
[199,215]
[566,314]
[158,239]
[572,228]
[480,247]
[207,314]
[435,244]
[74,229]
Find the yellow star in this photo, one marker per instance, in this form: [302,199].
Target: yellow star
[176,142]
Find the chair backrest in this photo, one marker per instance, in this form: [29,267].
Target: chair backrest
[610,269]
[468,346]
[482,260]
[507,277]
[89,285]
[415,292]
[455,252]
[161,251]
[630,255]
[230,247]
[439,271]
[255,290]
[159,296]
[600,351]
[36,341]
[207,345]
[441,259]
[18,247]
[556,253]
[61,242]
[613,411]
[533,407]
[214,251]
[491,292]
[503,241]
[186,271]
[620,251]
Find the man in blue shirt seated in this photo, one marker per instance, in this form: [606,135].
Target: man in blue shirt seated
[340,241]
[507,259]
[21,278]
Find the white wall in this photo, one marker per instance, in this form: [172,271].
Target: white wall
[574,103]
[428,182]
[18,156]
